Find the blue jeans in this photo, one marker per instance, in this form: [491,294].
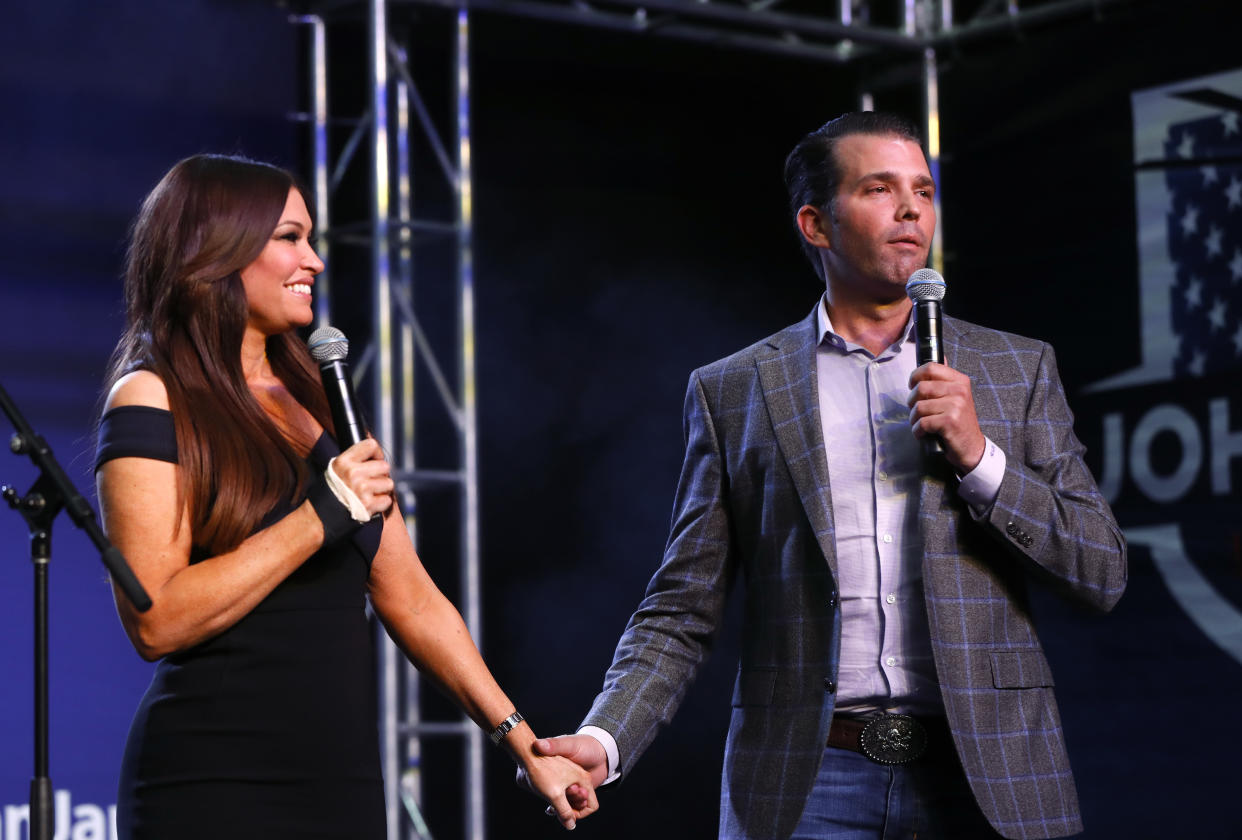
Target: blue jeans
[856,799]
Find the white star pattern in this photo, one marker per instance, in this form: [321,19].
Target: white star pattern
[1203,175]
[1217,315]
[1197,363]
[1213,242]
[1186,148]
[1192,292]
[1190,220]
[1230,120]
[1233,192]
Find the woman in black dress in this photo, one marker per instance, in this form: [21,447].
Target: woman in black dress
[213,472]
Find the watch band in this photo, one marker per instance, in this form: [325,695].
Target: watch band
[506,726]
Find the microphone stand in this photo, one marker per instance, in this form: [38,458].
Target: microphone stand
[51,493]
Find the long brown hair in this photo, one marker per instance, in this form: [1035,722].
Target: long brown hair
[186,312]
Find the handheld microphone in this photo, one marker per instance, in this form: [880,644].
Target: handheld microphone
[926,288]
[329,347]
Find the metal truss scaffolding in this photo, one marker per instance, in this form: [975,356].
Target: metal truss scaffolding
[895,42]
[396,126]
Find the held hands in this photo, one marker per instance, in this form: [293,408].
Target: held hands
[562,776]
[941,404]
[583,753]
[363,469]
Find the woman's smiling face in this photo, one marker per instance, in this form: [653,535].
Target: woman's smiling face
[278,283]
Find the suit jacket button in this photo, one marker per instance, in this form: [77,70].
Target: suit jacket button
[830,686]
[832,599]
[1011,529]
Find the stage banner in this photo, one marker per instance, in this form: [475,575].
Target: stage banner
[1170,429]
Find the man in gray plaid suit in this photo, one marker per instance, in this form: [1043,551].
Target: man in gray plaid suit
[890,678]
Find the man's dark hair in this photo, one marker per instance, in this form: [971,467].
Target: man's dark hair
[812,172]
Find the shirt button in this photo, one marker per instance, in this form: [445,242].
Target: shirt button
[892,598]
[888,538]
[891,661]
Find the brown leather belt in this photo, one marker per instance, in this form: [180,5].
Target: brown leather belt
[889,739]
[844,733]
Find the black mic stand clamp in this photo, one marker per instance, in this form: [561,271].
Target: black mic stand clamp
[51,493]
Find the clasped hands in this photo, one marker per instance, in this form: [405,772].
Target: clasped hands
[581,752]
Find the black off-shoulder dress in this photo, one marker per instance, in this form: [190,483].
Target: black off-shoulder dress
[268,730]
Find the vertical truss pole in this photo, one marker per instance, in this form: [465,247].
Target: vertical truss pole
[471,584]
[931,98]
[381,303]
[931,115]
[405,273]
[404,453]
[380,227]
[319,152]
[317,67]
[866,102]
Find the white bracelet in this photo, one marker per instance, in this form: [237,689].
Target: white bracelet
[357,510]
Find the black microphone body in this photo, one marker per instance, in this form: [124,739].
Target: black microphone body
[329,347]
[339,389]
[930,347]
[925,288]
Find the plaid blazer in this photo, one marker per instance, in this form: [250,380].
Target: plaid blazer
[754,498]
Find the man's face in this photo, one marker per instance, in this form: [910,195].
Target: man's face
[880,223]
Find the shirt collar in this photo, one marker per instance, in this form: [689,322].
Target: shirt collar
[829,338]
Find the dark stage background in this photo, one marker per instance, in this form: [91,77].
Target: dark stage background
[631,225]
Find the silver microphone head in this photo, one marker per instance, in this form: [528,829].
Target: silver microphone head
[328,344]
[925,284]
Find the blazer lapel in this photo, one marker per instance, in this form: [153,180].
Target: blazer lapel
[786,369]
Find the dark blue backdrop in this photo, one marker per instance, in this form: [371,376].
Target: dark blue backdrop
[630,226]
[99,99]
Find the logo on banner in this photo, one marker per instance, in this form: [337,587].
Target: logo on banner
[83,821]
[1172,432]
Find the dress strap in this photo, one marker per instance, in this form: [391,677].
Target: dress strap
[136,431]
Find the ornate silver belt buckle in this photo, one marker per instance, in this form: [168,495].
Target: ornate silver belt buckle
[893,739]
